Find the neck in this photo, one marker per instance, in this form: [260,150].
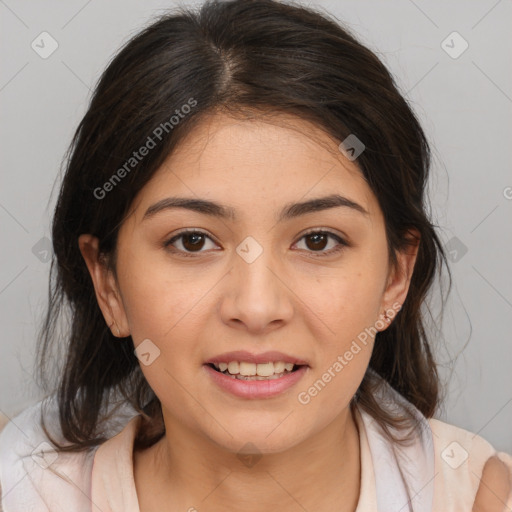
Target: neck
[186,471]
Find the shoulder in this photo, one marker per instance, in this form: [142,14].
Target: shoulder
[32,473]
[494,492]
[21,434]
[469,470]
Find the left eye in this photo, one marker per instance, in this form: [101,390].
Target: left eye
[316,242]
[193,241]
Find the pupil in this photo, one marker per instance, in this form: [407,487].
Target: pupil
[194,244]
[317,238]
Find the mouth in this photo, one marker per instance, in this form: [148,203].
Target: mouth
[251,371]
[255,376]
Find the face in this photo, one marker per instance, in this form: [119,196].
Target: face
[283,284]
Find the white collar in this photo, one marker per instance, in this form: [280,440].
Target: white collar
[404,474]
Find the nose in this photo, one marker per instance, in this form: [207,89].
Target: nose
[256,295]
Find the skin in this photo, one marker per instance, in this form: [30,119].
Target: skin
[495,487]
[288,299]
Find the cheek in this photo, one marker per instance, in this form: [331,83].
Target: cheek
[345,307]
[167,312]
[346,301]
[344,331]
[158,301]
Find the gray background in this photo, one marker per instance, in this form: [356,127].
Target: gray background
[464,104]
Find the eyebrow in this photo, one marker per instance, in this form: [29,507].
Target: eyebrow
[289,211]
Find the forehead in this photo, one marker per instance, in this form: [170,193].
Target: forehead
[274,141]
[257,159]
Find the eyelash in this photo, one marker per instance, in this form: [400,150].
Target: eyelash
[317,254]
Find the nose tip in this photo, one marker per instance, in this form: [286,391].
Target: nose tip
[255,296]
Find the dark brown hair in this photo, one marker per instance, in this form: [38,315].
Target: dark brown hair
[236,56]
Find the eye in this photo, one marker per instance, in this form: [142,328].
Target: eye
[190,240]
[316,242]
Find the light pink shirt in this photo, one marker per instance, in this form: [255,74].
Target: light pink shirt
[456,481]
[35,478]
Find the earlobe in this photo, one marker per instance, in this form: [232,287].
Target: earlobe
[105,285]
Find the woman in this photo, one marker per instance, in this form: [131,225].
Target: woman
[242,240]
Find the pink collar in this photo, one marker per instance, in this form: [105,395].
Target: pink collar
[393,477]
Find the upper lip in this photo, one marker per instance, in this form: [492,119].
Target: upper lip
[264,357]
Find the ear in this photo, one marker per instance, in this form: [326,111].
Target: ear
[105,286]
[399,277]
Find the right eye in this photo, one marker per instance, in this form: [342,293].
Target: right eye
[190,240]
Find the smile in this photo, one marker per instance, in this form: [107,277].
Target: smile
[244,370]
[254,385]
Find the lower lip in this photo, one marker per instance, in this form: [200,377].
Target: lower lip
[256,388]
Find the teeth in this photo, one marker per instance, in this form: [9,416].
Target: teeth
[279,367]
[247,369]
[255,377]
[233,367]
[263,369]
[258,371]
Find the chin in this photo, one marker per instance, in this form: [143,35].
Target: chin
[249,437]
